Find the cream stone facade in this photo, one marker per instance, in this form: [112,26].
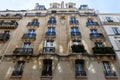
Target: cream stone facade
[59,43]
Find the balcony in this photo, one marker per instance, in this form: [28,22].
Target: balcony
[103,51]
[49,50]
[110,74]
[23,52]
[50,34]
[78,49]
[97,37]
[33,25]
[93,25]
[4,37]
[52,22]
[10,16]
[8,25]
[17,73]
[80,73]
[28,38]
[46,75]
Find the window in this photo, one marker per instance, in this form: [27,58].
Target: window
[31,33]
[75,31]
[108,71]
[73,21]
[51,31]
[42,7]
[109,19]
[47,67]
[98,44]
[76,42]
[52,21]
[18,71]
[79,68]
[116,31]
[83,7]
[90,22]
[94,33]
[26,45]
[35,21]
[37,14]
[49,47]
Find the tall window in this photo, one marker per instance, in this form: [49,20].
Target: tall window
[49,46]
[52,20]
[79,68]
[90,22]
[108,70]
[109,19]
[51,31]
[73,21]
[35,22]
[94,33]
[75,31]
[47,67]
[31,33]
[26,45]
[107,66]
[116,31]
[98,44]
[49,43]
[18,71]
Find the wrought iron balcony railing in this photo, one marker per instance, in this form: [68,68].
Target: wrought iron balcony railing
[50,34]
[110,74]
[92,24]
[23,52]
[76,34]
[10,16]
[48,50]
[17,73]
[47,73]
[8,25]
[78,49]
[97,36]
[29,38]
[103,51]
[35,24]
[74,22]
[80,73]
[4,37]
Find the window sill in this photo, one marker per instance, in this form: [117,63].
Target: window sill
[81,77]
[16,76]
[111,77]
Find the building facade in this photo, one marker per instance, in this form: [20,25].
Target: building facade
[111,25]
[59,43]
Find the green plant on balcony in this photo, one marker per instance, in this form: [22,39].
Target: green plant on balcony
[103,50]
[77,48]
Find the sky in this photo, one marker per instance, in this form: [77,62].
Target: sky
[103,6]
